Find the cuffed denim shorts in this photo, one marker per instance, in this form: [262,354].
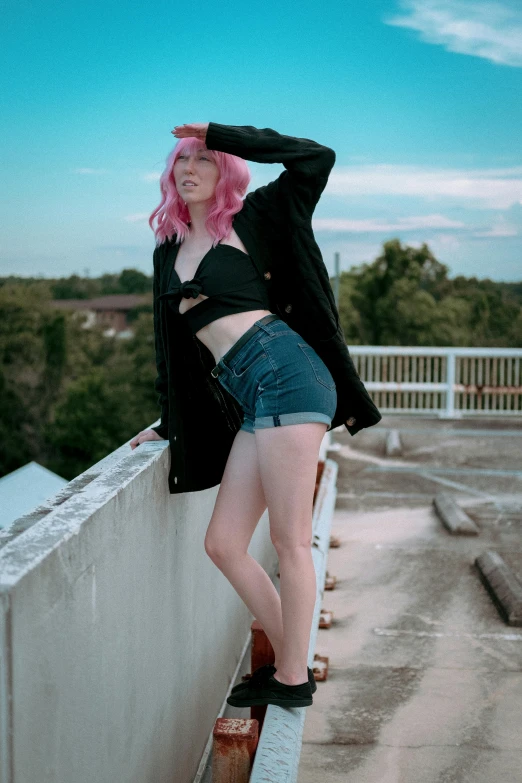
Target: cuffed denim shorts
[278,378]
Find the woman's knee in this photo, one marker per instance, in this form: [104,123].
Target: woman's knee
[221,550]
[290,542]
[215,549]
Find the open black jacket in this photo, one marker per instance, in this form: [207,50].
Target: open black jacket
[198,417]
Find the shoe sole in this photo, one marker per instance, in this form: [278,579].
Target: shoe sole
[278,702]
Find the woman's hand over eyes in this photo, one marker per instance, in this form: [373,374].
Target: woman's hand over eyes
[195,129]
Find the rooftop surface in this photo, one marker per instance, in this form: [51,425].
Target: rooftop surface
[425,677]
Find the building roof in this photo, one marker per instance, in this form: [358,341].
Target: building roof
[110,302]
[25,488]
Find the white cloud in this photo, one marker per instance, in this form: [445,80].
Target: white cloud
[152,176]
[89,171]
[492,30]
[482,188]
[445,242]
[501,229]
[411,223]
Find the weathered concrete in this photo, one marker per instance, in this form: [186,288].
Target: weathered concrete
[425,679]
[393,444]
[118,635]
[73,487]
[453,517]
[502,585]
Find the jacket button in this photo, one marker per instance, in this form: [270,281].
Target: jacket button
[288,308]
[267,275]
[350,421]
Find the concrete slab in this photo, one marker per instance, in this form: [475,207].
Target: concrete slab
[425,679]
[393,444]
[453,516]
[503,586]
[334,763]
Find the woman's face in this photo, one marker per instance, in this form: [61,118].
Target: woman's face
[200,168]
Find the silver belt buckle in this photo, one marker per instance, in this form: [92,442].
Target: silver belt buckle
[215,371]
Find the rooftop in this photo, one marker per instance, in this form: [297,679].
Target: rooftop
[109,302]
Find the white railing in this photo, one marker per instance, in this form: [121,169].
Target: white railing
[449,381]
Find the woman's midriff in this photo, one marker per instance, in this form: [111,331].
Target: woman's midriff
[220,335]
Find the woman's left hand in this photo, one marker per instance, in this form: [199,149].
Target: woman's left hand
[195,129]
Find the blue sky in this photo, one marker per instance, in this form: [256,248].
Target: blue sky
[420,99]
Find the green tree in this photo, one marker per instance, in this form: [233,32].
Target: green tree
[106,405]
[74,287]
[53,332]
[16,445]
[88,423]
[396,273]
[23,362]
[132,281]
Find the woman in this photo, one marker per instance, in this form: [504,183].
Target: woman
[226,344]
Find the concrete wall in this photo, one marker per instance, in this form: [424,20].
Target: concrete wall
[118,635]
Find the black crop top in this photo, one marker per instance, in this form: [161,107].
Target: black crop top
[228,277]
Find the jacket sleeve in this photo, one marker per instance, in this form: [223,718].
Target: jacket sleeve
[297,190]
[161,382]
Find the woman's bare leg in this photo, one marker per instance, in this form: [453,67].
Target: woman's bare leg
[239,505]
[288,458]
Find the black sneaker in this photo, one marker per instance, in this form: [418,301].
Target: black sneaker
[265,671]
[257,676]
[271,691]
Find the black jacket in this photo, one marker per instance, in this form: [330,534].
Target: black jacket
[199,418]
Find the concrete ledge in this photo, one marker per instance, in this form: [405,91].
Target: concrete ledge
[75,486]
[103,601]
[453,517]
[502,585]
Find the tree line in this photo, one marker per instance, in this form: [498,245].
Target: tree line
[70,395]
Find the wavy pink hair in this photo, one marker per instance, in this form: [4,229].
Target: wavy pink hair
[172,214]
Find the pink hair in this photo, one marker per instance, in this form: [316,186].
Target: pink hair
[172,214]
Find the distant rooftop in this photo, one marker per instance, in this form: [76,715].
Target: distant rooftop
[24,489]
[110,302]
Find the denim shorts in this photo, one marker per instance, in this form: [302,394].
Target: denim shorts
[277,378]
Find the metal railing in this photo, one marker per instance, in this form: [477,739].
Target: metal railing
[448,381]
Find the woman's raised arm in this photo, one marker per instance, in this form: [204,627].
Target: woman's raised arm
[307,163]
